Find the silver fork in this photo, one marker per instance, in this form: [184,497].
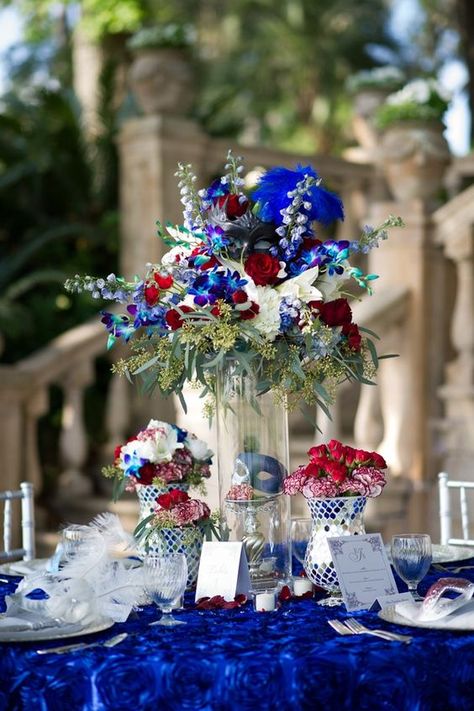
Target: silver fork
[339,627]
[357,628]
[443,569]
[117,639]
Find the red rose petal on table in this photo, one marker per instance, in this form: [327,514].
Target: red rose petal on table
[285,594]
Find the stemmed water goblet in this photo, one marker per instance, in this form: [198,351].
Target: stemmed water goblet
[411,557]
[300,535]
[165,580]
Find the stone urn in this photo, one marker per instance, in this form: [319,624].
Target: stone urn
[414,156]
[161,79]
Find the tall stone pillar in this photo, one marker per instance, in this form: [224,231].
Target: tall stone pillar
[408,385]
[150,149]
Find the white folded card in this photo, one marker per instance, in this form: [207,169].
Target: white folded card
[362,568]
[223,570]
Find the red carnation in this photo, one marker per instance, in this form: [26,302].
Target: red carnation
[164,282]
[235,205]
[335,313]
[152,294]
[354,339]
[262,267]
[251,312]
[174,319]
[239,297]
[146,474]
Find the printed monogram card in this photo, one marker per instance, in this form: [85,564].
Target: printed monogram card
[362,568]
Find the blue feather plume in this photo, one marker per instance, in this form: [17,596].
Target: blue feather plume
[272,191]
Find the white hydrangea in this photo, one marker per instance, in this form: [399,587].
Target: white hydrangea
[267,321]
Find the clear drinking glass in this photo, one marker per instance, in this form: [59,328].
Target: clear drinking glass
[165,580]
[411,557]
[300,535]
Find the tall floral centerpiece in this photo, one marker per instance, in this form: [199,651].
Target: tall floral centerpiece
[336,484]
[248,304]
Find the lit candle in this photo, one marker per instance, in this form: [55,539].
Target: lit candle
[302,586]
[265,602]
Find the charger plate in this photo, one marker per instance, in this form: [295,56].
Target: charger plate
[60,632]
[461,620]
[446,554]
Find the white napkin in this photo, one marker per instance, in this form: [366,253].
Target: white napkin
[27,567]
[460,619]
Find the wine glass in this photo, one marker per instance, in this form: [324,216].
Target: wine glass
[411,557]
[165,580]
[300,534]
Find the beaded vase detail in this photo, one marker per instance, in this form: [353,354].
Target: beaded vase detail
[342,516]
[187,540]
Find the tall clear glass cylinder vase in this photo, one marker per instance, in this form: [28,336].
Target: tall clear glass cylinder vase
[253,460]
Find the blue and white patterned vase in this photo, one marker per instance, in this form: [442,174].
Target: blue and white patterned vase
[187,540]
[342,516]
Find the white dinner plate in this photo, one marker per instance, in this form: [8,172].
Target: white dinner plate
[38,565]
[62,632]
[461,620]
[446,554]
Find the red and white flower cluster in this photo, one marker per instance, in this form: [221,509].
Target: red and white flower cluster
[176,508]
[162,452]
[338,470]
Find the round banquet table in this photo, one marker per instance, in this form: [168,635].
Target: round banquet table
[223,660]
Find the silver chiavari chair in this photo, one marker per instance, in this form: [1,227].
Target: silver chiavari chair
[25,494]
[445,515]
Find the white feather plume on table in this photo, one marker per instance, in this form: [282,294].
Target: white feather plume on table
[92,582]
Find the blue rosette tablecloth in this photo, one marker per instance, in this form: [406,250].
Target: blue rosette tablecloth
[238,659]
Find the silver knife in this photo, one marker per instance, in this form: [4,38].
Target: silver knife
[117,639]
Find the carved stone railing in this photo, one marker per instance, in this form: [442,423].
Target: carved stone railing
[67,362]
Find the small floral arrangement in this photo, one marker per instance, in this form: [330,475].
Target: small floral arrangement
[176,509]
[387,78]
[247,279]
[419,100]
[160,454]
[337,470]
[240,492]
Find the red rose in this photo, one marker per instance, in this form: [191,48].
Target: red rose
[172,498]
[146,474]
[378,460]
[235,205]
[354,339]
[215,311]
[319,451]
[337,471]
[337,450]
[174,319]
[152,294]
[164,282]
[335,313]
[312,469]
[350,456]
[251,312]
[262,267]
[362,457]
[117,451]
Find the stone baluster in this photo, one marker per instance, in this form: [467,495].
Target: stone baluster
[73,441]
[35,407]
[117,414]
[368,422]
[455,222]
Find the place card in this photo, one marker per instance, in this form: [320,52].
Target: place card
[384,601]
[223,570]
[362,568]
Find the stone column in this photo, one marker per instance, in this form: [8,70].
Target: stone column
[150,149]
[455,222]
[408,385]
